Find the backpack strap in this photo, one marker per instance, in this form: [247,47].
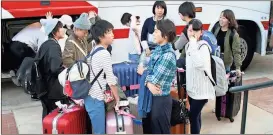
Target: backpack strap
[97,76]
[210,63]
[231,35]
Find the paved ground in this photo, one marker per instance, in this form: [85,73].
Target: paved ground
[18,108]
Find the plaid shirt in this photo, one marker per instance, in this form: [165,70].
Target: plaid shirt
[162,68]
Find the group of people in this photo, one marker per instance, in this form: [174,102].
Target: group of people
[156,39]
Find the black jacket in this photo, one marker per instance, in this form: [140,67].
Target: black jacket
[50,66]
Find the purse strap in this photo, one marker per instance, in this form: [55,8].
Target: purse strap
[84,53]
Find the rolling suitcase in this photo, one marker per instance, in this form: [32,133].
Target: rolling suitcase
[118,124]
[60,122]
[228,106]
[128,78]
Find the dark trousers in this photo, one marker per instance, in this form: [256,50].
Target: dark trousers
[19,51]
[49,105]
[158,120]
[196,107]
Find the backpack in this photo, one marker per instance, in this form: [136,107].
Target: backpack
[77,78]
[212,41]
[218,72]
[37,82]
[24,74]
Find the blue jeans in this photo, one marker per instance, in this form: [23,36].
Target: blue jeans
[96,112]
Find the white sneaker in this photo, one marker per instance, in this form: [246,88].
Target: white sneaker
[213,110]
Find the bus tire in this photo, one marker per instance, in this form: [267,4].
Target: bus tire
[247,48]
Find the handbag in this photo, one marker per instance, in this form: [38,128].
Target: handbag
[180,113]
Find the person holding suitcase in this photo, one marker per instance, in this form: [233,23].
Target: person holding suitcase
[227,29]
[229,41]
[198,84]
[161,72]
[102,34]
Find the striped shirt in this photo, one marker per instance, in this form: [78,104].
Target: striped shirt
[101,60]
[197,61]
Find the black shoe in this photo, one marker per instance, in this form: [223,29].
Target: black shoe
[34,97]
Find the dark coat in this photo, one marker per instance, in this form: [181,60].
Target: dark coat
[50,67]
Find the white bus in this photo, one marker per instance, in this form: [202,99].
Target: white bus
[252,16]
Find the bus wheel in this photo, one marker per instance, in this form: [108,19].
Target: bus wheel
[247,48]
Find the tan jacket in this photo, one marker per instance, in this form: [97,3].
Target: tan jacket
[72,53]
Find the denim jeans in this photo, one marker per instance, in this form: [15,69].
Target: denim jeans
[96,112]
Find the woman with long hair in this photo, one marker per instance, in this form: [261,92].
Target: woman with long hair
[225,33]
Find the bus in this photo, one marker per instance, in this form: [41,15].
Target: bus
[253,18]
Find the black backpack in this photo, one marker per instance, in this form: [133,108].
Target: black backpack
[37,82]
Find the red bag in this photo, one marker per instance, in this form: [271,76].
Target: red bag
[68,89]
[62,122]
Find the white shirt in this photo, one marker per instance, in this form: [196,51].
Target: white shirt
[62,42]
[134,37]
[32,36]
[101,60]
[197,61]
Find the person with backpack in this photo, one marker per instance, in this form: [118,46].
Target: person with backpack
[187,13]
[229,41]
[50,65]
[131,21]
[160,74]
[160,12]
[199,82]
[76,46]
[100,64]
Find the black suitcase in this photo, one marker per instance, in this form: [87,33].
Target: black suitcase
[228,106]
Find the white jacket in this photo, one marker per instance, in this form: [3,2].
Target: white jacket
[197,61]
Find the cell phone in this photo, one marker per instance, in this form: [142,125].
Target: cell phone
[123,103]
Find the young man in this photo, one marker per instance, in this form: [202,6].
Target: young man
[76,46]
[161,72]
[187,13]
[50,65]
[199,86]
[102,34]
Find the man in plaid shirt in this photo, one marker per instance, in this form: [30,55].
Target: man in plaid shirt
[161,72]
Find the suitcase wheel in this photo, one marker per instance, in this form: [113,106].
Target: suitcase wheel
[231,119]
[218,118]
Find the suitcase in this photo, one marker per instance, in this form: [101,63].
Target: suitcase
[59,122]
[137,123]
[118,124]
[128,78]
[228,106]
